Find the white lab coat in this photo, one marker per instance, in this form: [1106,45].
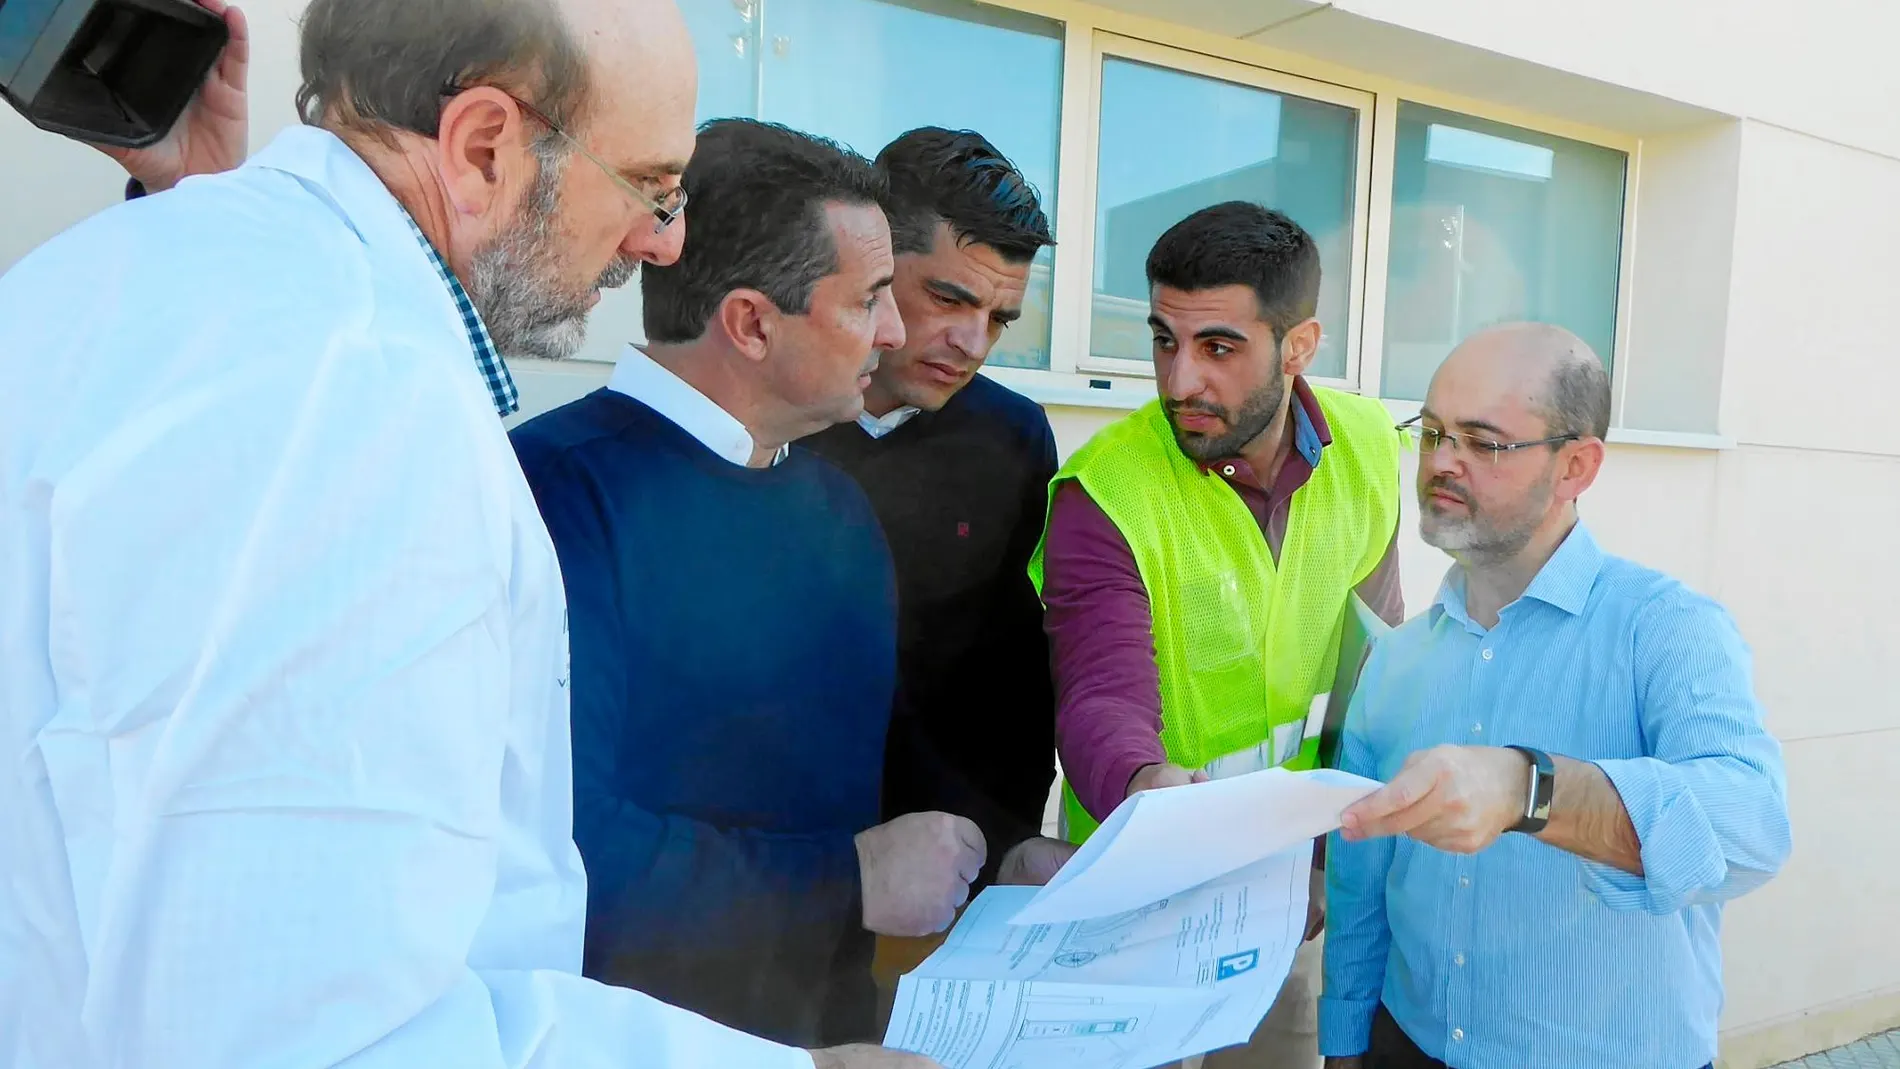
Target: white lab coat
[284,767]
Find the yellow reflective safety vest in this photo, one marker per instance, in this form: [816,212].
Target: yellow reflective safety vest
[1243,645]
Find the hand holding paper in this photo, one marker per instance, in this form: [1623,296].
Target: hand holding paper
[1159,842]
[1167,935]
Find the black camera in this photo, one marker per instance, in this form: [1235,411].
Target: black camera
[113,72]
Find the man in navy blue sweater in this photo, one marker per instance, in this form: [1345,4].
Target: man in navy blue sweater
[734,613]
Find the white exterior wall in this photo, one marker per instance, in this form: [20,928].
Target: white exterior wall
[1766,267]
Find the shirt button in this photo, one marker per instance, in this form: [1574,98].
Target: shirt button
[1228,471]
[1477,729]
[1487,655]
[1457,1035]
[1459,960]
[1464,881]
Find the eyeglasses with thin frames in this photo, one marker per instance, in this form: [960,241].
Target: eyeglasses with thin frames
[670,206]
[1469,447]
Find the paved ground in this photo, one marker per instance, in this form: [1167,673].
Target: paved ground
[1874,1052]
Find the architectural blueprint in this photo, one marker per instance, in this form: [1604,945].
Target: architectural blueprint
[1183,975]
[1166,936]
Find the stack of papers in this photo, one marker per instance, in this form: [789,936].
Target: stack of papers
[1166,936]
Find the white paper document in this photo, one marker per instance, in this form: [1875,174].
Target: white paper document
[1190,973]
[1160,842]
[1168,935]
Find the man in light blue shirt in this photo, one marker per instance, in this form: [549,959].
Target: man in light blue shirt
[1577,772]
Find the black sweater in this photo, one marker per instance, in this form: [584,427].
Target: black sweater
[962,494]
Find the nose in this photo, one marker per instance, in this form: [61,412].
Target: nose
[1182,378]
[661,247]
[970,335]
[889,332]
[1439,459]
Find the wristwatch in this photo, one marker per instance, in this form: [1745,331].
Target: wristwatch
[1543,784]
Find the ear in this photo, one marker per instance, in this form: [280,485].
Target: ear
[749,320]
[1298,347]
[482,142]
[1578,468]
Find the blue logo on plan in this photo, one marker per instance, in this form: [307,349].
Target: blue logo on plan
[1234,964]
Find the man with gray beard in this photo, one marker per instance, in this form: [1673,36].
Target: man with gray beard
[283,652]
[1577,775]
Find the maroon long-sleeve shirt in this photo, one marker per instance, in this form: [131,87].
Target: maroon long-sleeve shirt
[1101,626]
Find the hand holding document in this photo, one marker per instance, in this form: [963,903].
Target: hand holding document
[1167,935]
[1159,842]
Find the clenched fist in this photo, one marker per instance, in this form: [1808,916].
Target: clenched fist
[1155,777]
[916,872]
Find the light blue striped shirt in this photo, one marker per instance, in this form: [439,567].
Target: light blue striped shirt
[1523,956]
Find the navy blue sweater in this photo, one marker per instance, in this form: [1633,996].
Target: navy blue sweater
[733,633]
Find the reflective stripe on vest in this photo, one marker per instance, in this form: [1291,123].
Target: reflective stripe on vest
[1242,646]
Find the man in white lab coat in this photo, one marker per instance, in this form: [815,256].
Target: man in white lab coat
[283,665]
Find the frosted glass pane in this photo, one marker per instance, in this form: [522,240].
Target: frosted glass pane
[1492,223]
[1242,143]
[864,71]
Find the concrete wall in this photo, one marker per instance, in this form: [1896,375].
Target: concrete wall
[1767,260]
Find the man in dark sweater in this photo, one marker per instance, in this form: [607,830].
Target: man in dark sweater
[958,469]
[734,613]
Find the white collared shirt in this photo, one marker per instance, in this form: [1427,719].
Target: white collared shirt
[879,426]
[642,378]
[287,776]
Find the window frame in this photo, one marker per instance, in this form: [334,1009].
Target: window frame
[1106,45]
[1091,34]
[1073,378]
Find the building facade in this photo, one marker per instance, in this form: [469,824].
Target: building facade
[1708,191]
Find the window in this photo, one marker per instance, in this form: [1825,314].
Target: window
[1171,143]
[1456,222]
[864,71]
[1491,223]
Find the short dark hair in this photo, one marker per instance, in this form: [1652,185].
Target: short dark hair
[758,193]
[958,177]
[1579,401]
[372,65]
[1243,244]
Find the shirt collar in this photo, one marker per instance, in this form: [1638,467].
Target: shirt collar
[320,160]
[879,426]
[501,384]
[642,378]
[1565,580]
[1563,583]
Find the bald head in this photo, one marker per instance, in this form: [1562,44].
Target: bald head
[377,67]
[1537,365]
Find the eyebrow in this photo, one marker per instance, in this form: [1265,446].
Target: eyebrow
[1214,333]
[882,283]
[962,296]
[647,172]
[954,292]
[1466,424]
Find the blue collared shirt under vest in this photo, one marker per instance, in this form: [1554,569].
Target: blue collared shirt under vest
[1523,956]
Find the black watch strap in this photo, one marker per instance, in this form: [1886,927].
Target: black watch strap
[1541,785]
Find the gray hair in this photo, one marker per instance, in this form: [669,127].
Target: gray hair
[1578,398]
[370,66]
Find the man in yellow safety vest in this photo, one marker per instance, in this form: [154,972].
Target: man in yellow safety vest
[1200,553]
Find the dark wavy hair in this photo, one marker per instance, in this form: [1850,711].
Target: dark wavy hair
[958,177]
